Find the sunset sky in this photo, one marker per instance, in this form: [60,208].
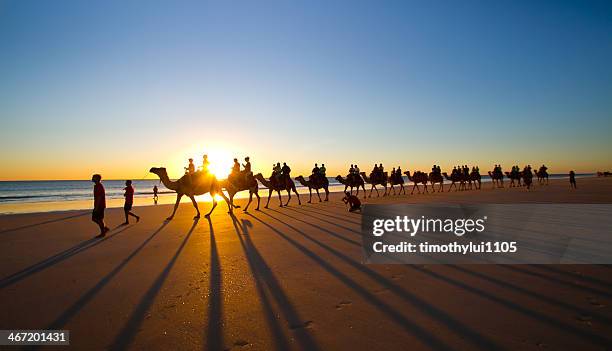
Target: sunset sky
[116,87]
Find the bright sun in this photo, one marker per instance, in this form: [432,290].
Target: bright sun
[221,163]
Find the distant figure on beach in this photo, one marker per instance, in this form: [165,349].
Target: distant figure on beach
[352,201]
[155,197]
[572,179]
[205,163]
[129,201]
[97,215]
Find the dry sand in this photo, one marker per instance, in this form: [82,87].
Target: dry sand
[289,278]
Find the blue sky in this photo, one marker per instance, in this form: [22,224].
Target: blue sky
[117,87]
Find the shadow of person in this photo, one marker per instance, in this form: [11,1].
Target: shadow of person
[214,332]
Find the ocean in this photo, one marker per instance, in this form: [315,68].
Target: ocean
[79,193]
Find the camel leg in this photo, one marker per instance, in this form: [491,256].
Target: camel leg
[364,190]
[280,200]
[269,196]
[319,195]
[426,188]
[413,187]
[213,207]
[310,198]
[371,190]
[230,205]
[195,204]
[178,200]
[326,194]
[385,193]
[246,208]
[403,189]
[298,195]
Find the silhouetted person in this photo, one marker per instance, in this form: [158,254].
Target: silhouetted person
[322,170]
[247,165]
[97,215]
[286,171]
[352,201]
[316,170]
[190,167]
[129,201]
[236,167]
[155,197]
[572,179]
[205,163]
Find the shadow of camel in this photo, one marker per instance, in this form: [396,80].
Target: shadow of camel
[411,327]
[268,285]
[124,339]
[214,333]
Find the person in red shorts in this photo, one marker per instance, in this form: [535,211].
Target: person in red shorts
[129,201]
[97,215]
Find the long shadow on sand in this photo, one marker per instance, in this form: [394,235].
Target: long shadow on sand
[411,327]
[586,335]
[332,222]
[323,229]
[214,333]
[55,259]
[349,217]
[265,281]
[125,337]
[43,223]
[65,317]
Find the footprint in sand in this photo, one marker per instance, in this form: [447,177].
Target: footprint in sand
[594,302]
[307,324]
[586,319]
[343,304]
[241,343]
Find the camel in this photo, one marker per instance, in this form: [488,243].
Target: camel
[436,178]
[542,176]
[476,179]
[287,185]
[352,182]
[497,179]
[514,176]
[197,183]
[454,179]
[397,180]
[418,177]
[233,186]
[370,180]
[316,186]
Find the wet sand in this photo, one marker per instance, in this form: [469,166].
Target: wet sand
[289,278]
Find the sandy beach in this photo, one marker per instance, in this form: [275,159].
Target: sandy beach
[289,278]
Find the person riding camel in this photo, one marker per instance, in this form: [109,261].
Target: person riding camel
[276,173]
[190,169]
[286,172]
[315,174]
[398,173]
[234,174]
[205,164]
[322,170]
[247,169]
[375,171]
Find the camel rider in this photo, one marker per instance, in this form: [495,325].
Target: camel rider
[205,164]
[351,173]
[247,167]
[393,174]
[276,172]
[398,173]
[190,169]
[236,167]
[316,173]
[375,170]
[322,170]
[235,171]
[286,171]
[357,171]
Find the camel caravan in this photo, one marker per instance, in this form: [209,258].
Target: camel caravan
[201,181]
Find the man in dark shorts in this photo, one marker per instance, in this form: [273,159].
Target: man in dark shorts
[97,215]
[129,201]
[352,201]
